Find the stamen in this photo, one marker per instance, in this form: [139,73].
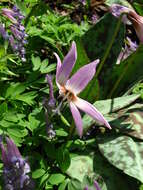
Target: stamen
[57,110]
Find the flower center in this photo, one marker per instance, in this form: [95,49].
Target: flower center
[67,94]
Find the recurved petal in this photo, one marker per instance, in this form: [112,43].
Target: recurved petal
[77,118]
[58,64]
[91,110]
[67,65]
[137,21]
[82,77]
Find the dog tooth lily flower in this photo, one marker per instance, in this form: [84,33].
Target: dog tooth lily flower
[132,16]
[70,88]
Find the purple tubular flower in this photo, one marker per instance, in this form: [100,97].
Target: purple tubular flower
[9,14]
[18,38]
[16,169]
[3,32]
[52,101]
[70,88]
[12,43]
[86,188]
[96,185]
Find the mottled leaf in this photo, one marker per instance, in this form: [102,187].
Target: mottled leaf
[109,106]
[80,166]
[125,154]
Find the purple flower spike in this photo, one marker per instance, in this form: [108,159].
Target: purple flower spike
[18,38]
[9,14]
[16,169]
[52,101]
[70,88]
[3,32]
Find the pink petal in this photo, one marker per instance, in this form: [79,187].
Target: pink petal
[137,21]
[82,77]
[91,110]
[77,118]
[58,66]
[68,63]
[96,185]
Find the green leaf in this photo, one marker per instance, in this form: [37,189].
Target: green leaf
[129,121]
[60,132]
[125,154]
[44,65]
[33,122]
[74,184]
[49,69]
[139,8]
[17,132]
[63,185]
[56,178]
[38,173]
[80,166]
[27,97]
[3,108]
[115,104]
[15,89]
[36,63]
[64,120]
[63,158]
[112,178]
[44,178]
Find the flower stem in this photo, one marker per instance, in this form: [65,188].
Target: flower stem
[109,46]
[71,131]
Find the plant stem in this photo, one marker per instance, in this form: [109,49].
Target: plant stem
[71,131]
[109,47]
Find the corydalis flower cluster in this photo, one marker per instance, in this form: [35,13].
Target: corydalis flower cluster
[49,105]
[18,38]
[70,88]
[16,169]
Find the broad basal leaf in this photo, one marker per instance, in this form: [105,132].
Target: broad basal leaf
[109,106]
[125,154]
[80,166]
